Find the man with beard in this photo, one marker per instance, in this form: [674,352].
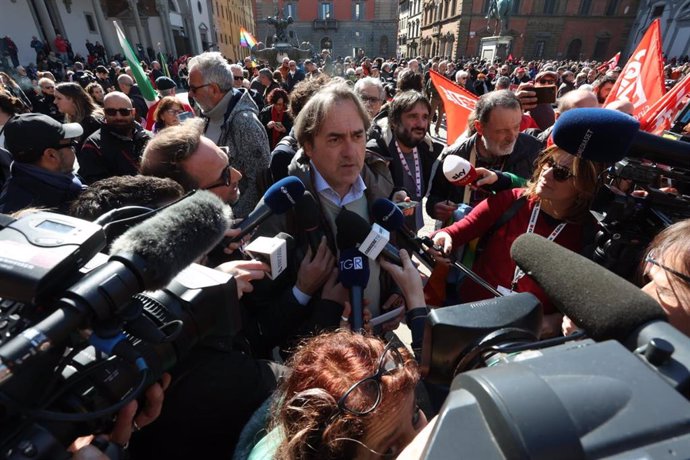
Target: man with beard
[232,122]
[602,87]
[116,148]
[43,157]
[497,144]
[408,149]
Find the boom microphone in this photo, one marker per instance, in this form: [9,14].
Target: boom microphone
[390,217]
[307,210]
[354,231]
[145,257]
[602,303]
[354,275]
[458,171]
[280,197]
[607,136]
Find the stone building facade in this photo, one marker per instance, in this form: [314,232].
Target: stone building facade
[346,27]
[675,25]
[229,16]
[554,29]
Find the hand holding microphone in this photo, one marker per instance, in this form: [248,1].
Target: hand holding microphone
[443,240]
[315,269]
[408,279]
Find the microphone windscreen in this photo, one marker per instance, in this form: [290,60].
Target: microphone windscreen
[600,302]
[601,135]
[354,268]
[284,194]
[458,171]
[307,210]
[352,229]
[387,215]
[175,237]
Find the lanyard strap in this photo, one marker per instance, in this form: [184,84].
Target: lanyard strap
[417,173]
[530,229]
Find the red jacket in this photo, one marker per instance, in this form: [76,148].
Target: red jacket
[150,121]
[495,264]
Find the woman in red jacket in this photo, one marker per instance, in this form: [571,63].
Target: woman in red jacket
[555,204]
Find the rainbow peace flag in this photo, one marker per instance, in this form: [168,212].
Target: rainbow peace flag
[247,40]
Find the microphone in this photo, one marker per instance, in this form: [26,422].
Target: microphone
[307,210]
[606,306]
[354,275]
[390,217]
[459,171]
[280,197]
[145,257]
[602,303]
[354,231]
[607,136]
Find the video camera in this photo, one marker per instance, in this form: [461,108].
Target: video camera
[631,204]
[623,396]
[83,334]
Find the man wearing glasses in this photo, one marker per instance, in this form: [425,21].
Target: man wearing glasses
[231,121]
[41,173]
[116,148]
[183,154]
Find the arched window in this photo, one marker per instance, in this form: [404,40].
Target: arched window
[574,49]
[383,45]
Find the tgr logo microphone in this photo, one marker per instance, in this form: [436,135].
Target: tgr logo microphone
[287,194]
[352,264]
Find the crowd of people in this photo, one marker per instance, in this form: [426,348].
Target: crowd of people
[296,382]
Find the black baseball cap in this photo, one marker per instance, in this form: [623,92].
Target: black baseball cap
[29,134]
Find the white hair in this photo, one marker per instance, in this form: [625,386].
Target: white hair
[214,69]
[369,81]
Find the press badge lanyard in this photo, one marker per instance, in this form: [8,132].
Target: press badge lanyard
[418,174]
[530,229]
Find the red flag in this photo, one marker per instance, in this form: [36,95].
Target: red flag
[610,64]
[458,103]
[642,79]
[510,57]
[661,115]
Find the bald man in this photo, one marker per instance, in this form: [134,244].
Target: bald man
[126,84]
[115,149]
[621,106]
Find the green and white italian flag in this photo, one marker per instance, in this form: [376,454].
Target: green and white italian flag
[140,76]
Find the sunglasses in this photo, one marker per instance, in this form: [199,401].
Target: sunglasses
[547,82]
[560,173]
[370,100]
[236,77]
[364,396]
[224,180]
[112,112]
[73,144]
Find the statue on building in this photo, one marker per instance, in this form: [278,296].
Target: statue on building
[499,11]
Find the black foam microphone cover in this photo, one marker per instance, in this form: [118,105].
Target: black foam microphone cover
[600,302]
[353,230]
[308,212]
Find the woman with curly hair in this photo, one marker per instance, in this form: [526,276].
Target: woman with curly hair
[96,92]
[78,107]
[275,117]
[347,396]
[167,112]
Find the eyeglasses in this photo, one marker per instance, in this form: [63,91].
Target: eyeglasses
[364,396]
[651,260]
[225,174]
[72,145]
[547,81]
[370,100]
[666,293]
[47,87]
[193,89]
[235,77]
[560,173]
[174,111]
[112,112]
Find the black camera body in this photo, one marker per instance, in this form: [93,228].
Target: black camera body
[71,387]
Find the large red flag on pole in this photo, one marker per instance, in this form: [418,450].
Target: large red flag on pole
[661,115]
[642,79]
[458,103]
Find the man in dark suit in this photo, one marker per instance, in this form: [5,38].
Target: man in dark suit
[295,75]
